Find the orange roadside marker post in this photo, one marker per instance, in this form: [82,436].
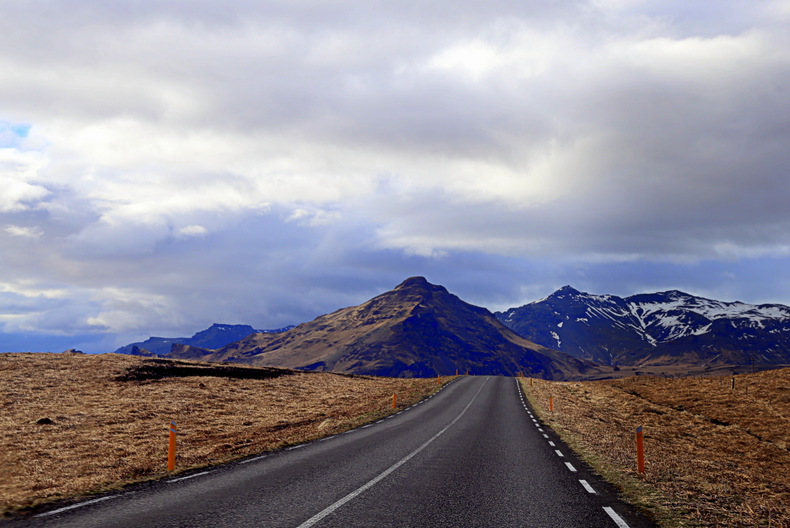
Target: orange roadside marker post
[438,380]
[640,452]
[171,452]
[394,400]
[551,403]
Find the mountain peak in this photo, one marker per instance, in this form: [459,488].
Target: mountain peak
[565,290]
[416,329]
[419,284]
[414,282]
[675,294]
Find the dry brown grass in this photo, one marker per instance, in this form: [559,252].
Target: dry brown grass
[714,456]
[107,432]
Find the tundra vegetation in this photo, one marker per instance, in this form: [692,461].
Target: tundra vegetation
[715,455]
[74,424]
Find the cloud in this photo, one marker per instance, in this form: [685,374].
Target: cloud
[25,232]
[193,230]
[19,172]
[300,147]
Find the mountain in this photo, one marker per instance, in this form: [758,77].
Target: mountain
[216,336]
[417,329]
[664,328]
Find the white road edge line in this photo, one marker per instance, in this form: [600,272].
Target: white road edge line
[551,444]
[331,508]
[189,477]
[587,486]
[559,453]
[616,518]
[263,456]
[570,467]
[66,508]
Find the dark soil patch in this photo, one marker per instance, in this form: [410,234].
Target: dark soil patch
[154,369]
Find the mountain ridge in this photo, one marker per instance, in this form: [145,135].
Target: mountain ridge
[215,336]
[667,327]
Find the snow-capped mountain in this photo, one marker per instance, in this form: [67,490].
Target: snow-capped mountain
[665,327]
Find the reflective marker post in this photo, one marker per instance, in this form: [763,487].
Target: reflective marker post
[640,452]
[171,452]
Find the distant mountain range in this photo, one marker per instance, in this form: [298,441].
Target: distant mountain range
[665,328]
[418,329]
[216,336]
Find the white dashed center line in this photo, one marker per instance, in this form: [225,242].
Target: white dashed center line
[616,518]
[587,486]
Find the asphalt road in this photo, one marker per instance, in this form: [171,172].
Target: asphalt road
[472,455]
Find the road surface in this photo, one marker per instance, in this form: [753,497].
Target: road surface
[472,455]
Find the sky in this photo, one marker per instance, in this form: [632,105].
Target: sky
[168,165]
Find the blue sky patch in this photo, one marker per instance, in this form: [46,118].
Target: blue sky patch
[11,134]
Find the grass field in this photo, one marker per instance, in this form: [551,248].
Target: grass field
[715,456]
[74,424]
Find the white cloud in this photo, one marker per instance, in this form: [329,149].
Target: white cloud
[24,232]
[19,175]
[30,289]
[193,230]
